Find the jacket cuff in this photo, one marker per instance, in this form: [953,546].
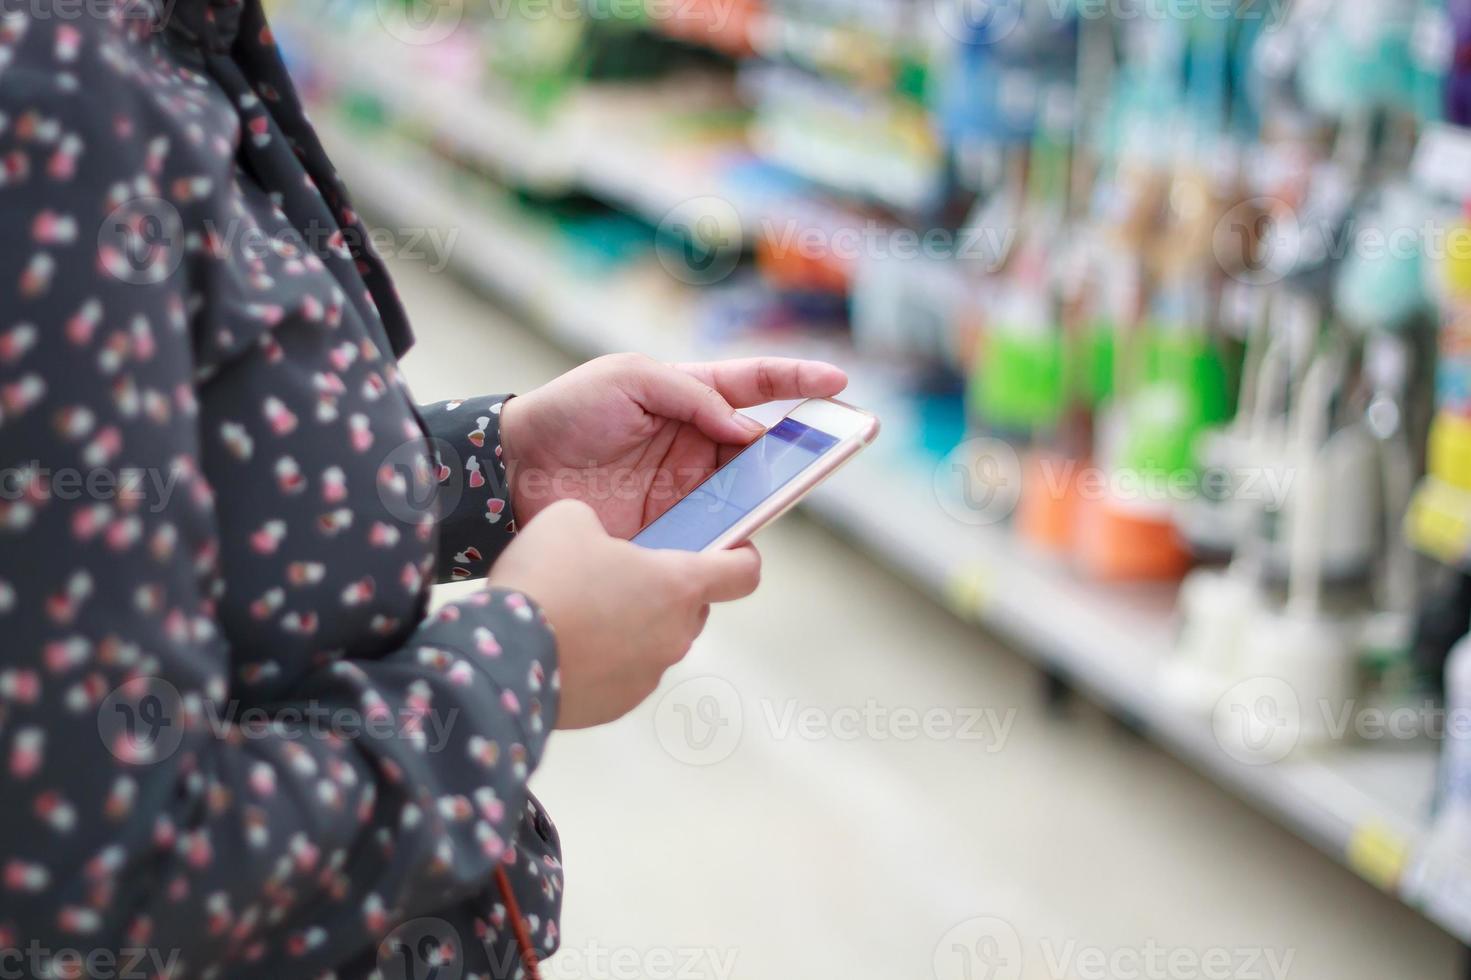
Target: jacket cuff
[476,521]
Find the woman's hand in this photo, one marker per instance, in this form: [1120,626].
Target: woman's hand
[622,614]
[629,435]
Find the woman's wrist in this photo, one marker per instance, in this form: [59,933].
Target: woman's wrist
[513,441]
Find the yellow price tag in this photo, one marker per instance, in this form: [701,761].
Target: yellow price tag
[1450,451]
[1439,522]
[969,592]
[1379,855]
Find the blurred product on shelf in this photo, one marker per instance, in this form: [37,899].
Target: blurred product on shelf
[1189,294]
[1443,870]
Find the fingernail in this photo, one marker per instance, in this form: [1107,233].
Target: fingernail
[746,422]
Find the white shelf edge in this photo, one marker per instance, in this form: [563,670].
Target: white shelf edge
[501,261]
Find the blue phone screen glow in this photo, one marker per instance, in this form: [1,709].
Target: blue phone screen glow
[737,488]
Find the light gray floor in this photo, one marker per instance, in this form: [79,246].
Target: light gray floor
[771,813]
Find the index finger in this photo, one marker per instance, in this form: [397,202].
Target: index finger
[755,380]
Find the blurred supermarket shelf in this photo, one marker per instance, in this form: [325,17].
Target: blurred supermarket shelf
[594,140]
[1366,807]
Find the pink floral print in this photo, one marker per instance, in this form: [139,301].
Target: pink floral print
[228,732]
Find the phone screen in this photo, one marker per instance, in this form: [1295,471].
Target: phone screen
[737,488]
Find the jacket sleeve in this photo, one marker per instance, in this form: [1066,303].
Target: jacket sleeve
[141,812]
[476,522]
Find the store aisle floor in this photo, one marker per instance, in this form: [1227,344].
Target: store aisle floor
[843,782]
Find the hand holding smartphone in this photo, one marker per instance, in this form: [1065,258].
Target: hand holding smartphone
[765,479]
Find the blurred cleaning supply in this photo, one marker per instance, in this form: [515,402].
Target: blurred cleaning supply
[1388,634]
[1381,284]
[802,253]
[1142,432]
[1075,350]
[1433,52]
[1358,58]
[1441,872]
[996,81]
[1176,91]
[1127,531]
[873,146]
[1216,519]
[1348,549]
[1300,643]
[908,307]
[1445,609]
[1016,386]
[1458,81]
[1452,275]
[1115,541]
[1439,522]
[1215,605]
[1017,383]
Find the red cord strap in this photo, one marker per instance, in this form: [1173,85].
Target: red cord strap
[518,924]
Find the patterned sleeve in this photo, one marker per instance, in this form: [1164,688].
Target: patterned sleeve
[142,810]
[476,520]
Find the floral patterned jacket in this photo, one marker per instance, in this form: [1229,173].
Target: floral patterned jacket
[231,742]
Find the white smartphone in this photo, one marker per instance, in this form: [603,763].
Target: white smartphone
[765,479]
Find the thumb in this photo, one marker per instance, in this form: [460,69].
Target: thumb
[665,390]
[574,515]
[729,574]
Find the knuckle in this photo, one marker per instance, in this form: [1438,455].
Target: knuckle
[709,395]
[627,361]
[765,379]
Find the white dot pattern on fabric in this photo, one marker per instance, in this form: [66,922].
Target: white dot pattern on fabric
[228,733]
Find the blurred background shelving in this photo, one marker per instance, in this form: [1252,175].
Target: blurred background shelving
[1006,220]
